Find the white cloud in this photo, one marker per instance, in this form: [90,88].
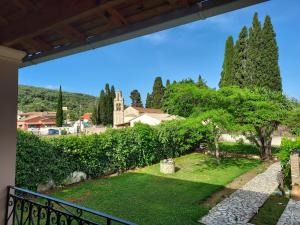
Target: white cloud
[157,38]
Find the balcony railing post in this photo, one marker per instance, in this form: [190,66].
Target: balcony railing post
[7,206]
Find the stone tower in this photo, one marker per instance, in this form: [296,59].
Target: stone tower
[118,108]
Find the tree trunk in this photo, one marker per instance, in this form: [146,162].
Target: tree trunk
[266,149]
[217,149]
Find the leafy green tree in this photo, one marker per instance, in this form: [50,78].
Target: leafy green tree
[293,121]
[201,83]
[59,110]
[157,93]
[136,100]
[218,122]
[240,58]
[181,99]
[258,112]
[270,71]
[227,78]
[149,101]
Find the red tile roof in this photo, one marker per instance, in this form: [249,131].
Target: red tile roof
[147,110]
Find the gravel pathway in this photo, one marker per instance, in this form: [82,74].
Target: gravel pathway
[291,214]
[245,202]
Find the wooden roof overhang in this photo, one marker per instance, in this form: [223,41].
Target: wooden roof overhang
[49,29]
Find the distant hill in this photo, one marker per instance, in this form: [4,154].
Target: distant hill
[42,99]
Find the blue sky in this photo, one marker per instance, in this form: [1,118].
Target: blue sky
[177,53]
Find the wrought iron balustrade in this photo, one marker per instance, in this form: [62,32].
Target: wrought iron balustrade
[25,207]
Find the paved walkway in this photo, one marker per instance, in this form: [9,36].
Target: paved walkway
[291,214]
[245,202]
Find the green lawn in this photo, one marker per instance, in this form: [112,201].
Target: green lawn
[146,196]
[243,148]
[271,211]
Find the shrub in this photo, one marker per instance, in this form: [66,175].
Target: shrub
[287,147]
[40,160]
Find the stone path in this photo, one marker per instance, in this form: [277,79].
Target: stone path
[245,202]
[291,214]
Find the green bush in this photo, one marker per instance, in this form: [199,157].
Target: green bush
[287,147]
[40,160]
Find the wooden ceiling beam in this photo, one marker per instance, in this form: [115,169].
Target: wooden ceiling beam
[70,32]
[53,14]
[116,17]
[38,44]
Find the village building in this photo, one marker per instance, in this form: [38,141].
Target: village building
[36,120]
[124,117]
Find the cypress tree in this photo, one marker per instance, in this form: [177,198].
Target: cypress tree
[101,108]
[168,83]
[254,59]
[201,83]
[240,58]
[227,78]
[157,93]
[113,93]
[109,105]
[95,115]
[149,101]
[59,111]
[270,77]
[136,100]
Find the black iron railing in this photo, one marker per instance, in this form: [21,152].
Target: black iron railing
[29,208]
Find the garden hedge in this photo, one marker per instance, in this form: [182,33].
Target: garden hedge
[40,160]
[287,147]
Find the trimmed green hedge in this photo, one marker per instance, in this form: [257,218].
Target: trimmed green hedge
[40,160]
[287,146]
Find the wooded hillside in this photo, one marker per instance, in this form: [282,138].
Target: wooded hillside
[42,99]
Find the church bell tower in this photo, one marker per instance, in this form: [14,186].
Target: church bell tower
[118,108]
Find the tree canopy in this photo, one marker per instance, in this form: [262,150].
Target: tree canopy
[136,100]
[256,113]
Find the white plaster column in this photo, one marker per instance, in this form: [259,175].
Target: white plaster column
[9,62]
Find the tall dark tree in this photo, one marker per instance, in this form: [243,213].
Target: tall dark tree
[59,110]
[253,66]
[94,117]
[270,77]
[113,92]
[101,108]
[157,93]
[240,58]
[149,101]
[168,83]
[136,100]
[201,83]
[108,106]
[227,74]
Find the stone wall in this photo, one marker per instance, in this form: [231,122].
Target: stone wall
[295,174]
